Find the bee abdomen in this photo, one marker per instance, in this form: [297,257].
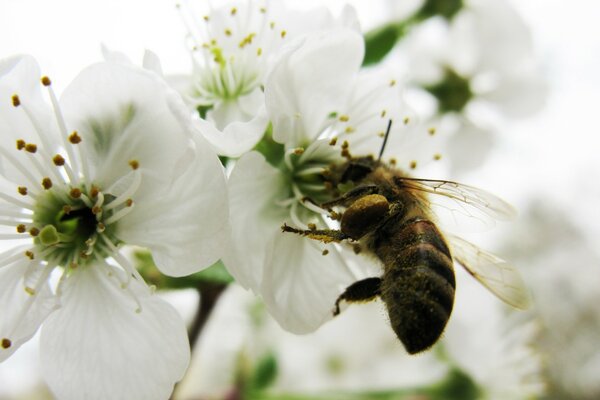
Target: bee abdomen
[418,284]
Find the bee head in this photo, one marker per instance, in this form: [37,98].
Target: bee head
[357,169]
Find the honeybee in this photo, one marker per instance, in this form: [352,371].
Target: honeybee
[389,215]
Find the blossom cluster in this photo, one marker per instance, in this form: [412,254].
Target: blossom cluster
[197,169]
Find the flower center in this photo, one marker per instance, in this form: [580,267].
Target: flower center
[231,47]
[72,227]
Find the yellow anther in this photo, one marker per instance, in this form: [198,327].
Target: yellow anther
[325,252]
[283,33]
[406,120]
[413,164]
[259,51]
[333,141]
[312,227]
[344,118]
[58,160]
[21,144]
[298,151]
[129,202]
[94,191]
[15,100]
[74,138]
[34,232]
[233,11]
[30,291]
[431,131]
[29,254]
[383,113]
[228,32]
[30,148]
[134,164]
[206,18]
[46,183]
[22,190]
[437,157]
[46,81]
[21,228]
[349,129]
[393,82]
[75,193]
[5,343]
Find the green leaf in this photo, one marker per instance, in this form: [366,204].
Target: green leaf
[265,373]
[380,41]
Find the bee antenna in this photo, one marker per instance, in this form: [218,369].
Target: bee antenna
[385,139]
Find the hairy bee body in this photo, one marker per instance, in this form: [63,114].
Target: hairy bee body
[388,214]
[417,285]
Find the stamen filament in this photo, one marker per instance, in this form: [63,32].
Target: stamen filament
[29,302]
[74,178]
[19,203]
[118,215]
[127,194]
[25,171]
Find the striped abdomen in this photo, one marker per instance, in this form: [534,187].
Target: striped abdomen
[418,282]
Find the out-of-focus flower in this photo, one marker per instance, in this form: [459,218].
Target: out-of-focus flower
[320,108]
[478,66]
[563,273]
[234,46]
[495,350]
[114,162]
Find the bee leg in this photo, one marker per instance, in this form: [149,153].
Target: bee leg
[351,195]
[323,235]
[359,292]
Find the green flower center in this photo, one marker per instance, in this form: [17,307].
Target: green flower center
[75,225]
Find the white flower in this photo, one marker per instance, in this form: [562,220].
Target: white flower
[494,349]
[479,67]
[319,105]
[113,162]
[234,47]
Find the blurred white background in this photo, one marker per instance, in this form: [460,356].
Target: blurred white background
[552,157]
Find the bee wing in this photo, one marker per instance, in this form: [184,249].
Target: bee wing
[498,276]
[461,205]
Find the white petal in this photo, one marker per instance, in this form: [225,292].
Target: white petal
[97,347]
[520,93]
[311,81]
[17,324]
[21,75]
[300,284]
[186,225]
[125,113]
[238,137]
[254,189]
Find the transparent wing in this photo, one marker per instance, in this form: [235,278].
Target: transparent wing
[459,205]
[498,276]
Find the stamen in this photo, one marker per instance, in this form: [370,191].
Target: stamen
[19,203]
[118,215]
[74,138]
[46,183]
[58,160]
[16,102]
[124,286]
[31,148]
[6,343]
[29,302]
[134,164]
[295,217]
[22,190]
[20,167]
[73,177]
[127,194]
